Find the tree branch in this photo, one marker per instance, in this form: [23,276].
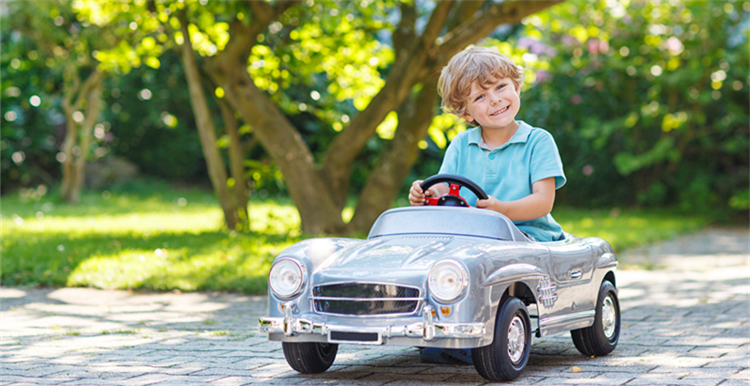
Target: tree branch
[67,102]
[464,11]
[94,79]
[474,29]
[262,11]
[215,165]
[404,74]
[435,24]
[405,29]
[242,37]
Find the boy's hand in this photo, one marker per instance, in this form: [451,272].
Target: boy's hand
[490,203]
[416,195]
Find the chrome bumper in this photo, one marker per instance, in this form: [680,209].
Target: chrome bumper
[428,329]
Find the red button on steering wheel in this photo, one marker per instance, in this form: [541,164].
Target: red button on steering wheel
[452,198]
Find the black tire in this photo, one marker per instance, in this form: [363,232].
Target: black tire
[310,357]
[601,338]
[496,362]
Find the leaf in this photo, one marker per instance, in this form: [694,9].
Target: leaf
[387,128]
[628,163]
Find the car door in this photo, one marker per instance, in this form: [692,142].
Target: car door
[572,267]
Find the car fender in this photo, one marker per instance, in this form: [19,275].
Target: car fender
[606,261]
[500,281]
[513,273]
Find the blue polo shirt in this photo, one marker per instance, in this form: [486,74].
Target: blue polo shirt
[508,172]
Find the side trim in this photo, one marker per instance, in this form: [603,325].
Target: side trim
[567,322]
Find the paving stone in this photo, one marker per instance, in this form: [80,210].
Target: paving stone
[223,372]
[671,379]
[14,379]
[523,380]
[234,381]
[742,374]
[734,382]
[601,379]
[413,379]
[270,370]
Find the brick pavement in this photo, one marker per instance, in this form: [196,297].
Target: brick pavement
[685,322]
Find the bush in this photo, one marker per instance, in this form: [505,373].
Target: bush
[648,103]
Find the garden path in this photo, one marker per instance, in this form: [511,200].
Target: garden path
[686,321]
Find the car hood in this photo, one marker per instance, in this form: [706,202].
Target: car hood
[392,257]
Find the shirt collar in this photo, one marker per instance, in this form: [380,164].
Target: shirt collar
[520,136]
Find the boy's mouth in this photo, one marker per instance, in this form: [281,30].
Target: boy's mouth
[501,111]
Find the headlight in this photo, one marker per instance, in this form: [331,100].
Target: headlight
[286,278]
[447,280]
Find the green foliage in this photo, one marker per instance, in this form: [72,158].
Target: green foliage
[647,100]
[32,123]
[148,235]
[151,122]
[47,47]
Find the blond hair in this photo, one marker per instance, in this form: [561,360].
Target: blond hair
[474,64]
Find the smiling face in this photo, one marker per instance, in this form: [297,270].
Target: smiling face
[493,107]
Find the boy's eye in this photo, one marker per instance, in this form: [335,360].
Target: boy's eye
[500,86]
[478,98]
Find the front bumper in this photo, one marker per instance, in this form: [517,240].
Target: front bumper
[428,329]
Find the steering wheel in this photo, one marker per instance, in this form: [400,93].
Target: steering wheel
[452,198]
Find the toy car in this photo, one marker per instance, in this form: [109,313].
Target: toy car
[444,275]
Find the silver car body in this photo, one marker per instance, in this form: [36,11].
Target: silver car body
[341,277]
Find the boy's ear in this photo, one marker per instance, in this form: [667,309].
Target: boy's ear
[467,117]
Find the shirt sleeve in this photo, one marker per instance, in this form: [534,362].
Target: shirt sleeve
[546,161]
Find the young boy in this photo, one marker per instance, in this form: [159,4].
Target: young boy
[517,165]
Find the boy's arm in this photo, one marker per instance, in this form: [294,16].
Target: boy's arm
[538,204]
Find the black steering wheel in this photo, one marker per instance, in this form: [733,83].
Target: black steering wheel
[452,198]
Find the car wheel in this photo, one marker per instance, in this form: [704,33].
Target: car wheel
[310,357]
[505,358]
[601,338]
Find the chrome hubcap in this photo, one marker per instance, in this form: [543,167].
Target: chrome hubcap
[609,317]
[516,339]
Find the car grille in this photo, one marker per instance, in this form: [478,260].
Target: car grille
[365,299]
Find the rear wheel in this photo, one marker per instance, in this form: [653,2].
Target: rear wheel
[310,357]
[505,358]
[601,338]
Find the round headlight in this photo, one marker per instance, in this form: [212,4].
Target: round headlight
[286,278]
[447,280]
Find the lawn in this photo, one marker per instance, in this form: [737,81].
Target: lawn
[156,237]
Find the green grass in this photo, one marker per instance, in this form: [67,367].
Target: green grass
[626,229]
[155,237]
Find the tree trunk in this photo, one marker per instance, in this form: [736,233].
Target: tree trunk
[236,165]
[284,144]
[74,164]
[87,127]
[394,165]
[68,163]
[216,169]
